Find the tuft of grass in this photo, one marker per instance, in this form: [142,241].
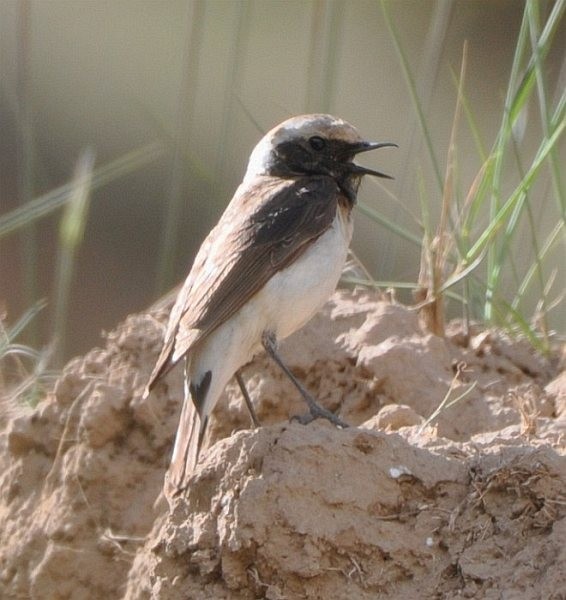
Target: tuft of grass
[437,248]
[24,371]
[449,399]
[475,242]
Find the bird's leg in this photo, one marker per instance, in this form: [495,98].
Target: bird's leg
[247,398]
[316,411]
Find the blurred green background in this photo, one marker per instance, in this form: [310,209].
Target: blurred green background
[203,79]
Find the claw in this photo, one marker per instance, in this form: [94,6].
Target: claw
[318,412]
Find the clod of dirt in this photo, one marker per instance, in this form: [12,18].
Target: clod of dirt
[469,504]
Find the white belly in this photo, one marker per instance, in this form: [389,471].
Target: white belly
[292,296]
[286,302]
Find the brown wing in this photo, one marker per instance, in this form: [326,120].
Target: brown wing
[265,227]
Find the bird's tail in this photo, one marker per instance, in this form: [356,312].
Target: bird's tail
[186,451]
[190,434]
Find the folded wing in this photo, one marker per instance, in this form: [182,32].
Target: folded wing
[264,229]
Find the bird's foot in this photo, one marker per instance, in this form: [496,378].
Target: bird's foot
[318,412]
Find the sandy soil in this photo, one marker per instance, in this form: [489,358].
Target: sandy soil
[470,504]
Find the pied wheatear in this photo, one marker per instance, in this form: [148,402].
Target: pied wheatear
[271,262]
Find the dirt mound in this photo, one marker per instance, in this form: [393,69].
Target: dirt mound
[471,503]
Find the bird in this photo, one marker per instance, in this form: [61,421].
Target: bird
[271,262]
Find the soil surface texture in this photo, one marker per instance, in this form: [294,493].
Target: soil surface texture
[415,500]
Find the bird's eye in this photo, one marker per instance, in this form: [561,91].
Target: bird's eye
[317,143]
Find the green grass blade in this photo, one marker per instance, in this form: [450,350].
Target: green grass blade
[401,285]
[175,199]
[388,224]
[518,92]
[471,120]
[546,120]
[411,85]
[71,232]
[514,317]
[499,218]
[549,243]
[47,203]
[7,336]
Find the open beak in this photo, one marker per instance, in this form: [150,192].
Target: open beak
[365,147]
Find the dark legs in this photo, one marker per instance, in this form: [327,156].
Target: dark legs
[247,398]
[316,411]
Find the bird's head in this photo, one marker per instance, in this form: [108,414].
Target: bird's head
[314,145]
